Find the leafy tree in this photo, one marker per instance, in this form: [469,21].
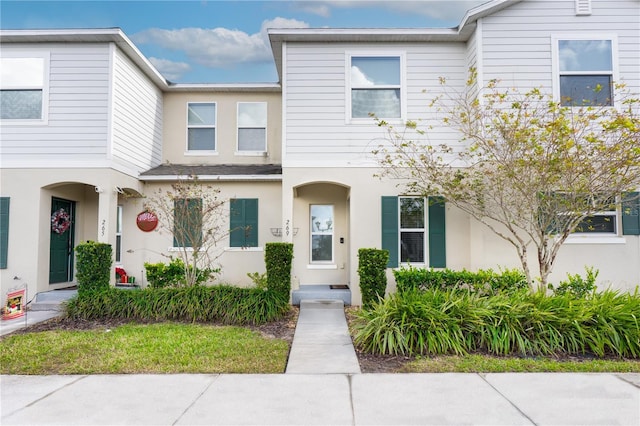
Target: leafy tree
[194,214]
[530,169]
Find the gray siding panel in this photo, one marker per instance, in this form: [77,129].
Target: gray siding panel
[316,128]
[517,40]
[137,116]
[77,123]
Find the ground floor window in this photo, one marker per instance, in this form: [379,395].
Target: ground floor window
[413,230]
[321,220]
[119,235]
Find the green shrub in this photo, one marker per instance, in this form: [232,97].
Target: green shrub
[372,267]
[482,281]
[172,274]
[514,323]
[258,279]
[576,285]
[93,266]
[278,258]
[221,304]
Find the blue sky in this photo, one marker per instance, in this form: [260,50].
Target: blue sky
[223,41]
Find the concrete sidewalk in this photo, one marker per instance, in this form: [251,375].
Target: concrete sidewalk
[322,342]
[328,399]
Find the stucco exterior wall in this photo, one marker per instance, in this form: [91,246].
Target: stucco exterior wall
[157,246]
[30,192]
[175,128]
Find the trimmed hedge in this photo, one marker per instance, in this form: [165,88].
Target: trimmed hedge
[93,266]
[278,258]
[482,282]
[372,267]
[221,304]
[517,323]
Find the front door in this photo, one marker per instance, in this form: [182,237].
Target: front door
[62,233]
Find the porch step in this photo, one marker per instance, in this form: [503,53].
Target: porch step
[51,300]
[320,292]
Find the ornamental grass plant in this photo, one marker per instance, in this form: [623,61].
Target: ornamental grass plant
[518,323]
[222,303]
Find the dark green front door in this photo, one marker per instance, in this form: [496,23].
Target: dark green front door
[61,251]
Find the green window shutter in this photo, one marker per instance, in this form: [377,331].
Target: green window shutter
[4,231]
[390,229]
[243,223]
[187,222]
[236,223]
[631,214]
[437,237]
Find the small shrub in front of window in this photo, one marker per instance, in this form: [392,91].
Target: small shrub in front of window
[172,274]
[576,285]
[372,266]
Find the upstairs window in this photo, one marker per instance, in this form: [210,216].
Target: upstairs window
[585,72]
[376,86]
[252,127]
[201,127]
[23,88]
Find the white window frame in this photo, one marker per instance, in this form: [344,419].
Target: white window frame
[214,151]
[555,52]
[266,124]
[312,233]
[46,58]
[349,87]
[424,230]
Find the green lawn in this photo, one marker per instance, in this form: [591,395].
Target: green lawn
[475,363]
[148,348]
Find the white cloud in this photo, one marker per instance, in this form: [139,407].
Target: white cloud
[217,47]
[358,78]
[169,69]
[446,10]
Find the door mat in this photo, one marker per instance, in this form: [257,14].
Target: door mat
[339,287]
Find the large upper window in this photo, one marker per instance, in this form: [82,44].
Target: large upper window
[376,85]
[22,88]
[252,127]
[201,127]
[585,72]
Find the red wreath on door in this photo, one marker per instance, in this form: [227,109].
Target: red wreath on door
[60,221]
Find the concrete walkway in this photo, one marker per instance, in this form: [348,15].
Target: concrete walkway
[323,399]
[322,343]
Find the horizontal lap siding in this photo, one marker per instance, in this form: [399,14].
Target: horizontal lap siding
[517,40]
[137,116]
[77,109]
[316,133]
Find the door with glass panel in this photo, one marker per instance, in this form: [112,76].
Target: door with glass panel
[322,233]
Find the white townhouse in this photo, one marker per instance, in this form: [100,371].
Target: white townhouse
[88,127]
